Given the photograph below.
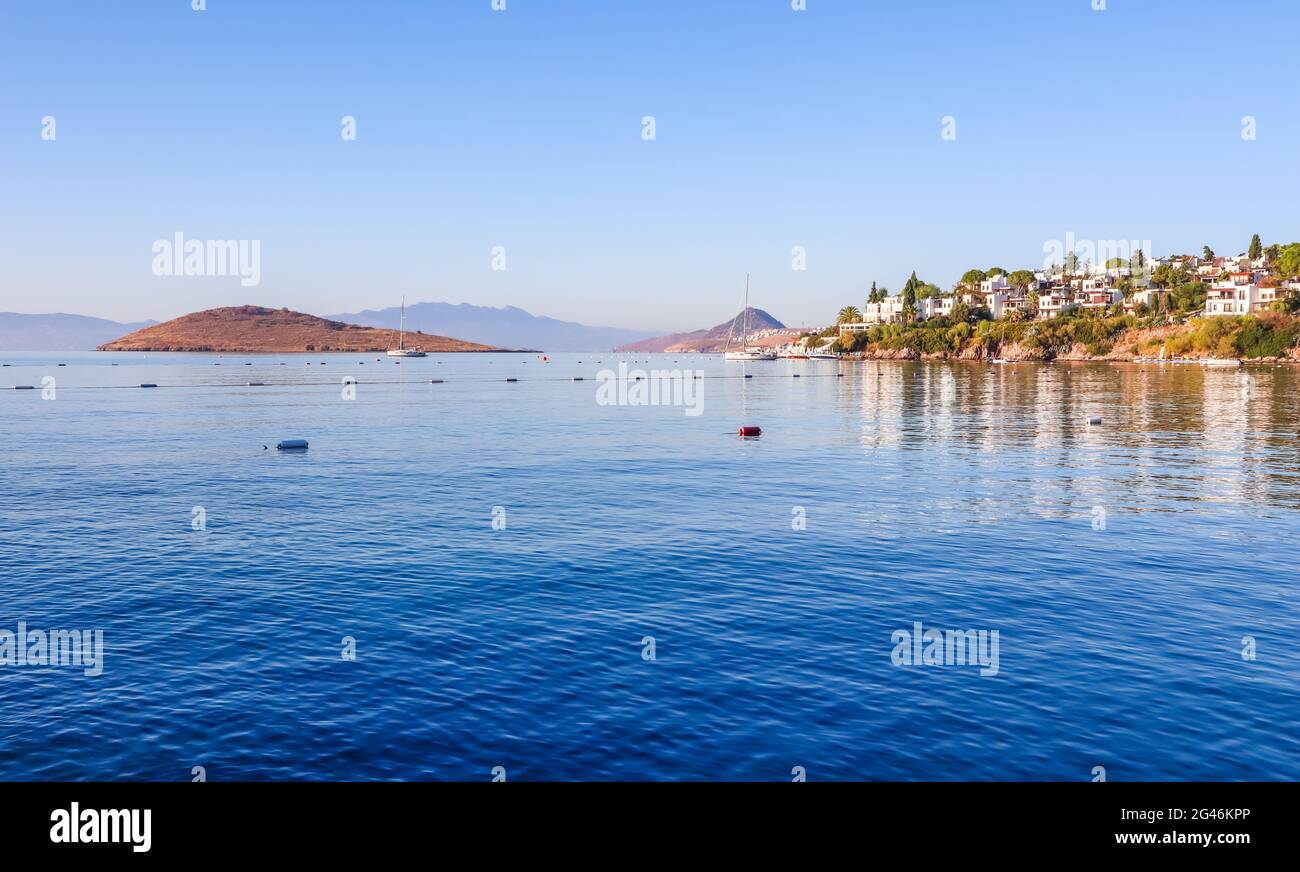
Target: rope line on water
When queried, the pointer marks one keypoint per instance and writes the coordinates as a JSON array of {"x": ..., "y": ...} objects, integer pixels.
[{"x": 357, "y": 382}]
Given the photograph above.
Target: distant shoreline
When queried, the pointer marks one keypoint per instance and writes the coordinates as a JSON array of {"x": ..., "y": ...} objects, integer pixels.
[{"x": 384, "y": 350}]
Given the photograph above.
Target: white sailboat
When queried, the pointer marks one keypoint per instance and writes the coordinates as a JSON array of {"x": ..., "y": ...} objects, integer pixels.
[
  {"x": 746, "y": 351},
  {"x": 401, "y": 350}
]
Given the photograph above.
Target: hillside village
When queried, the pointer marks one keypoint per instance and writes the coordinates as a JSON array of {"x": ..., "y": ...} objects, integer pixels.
[{"x": 1045, "y": 313}]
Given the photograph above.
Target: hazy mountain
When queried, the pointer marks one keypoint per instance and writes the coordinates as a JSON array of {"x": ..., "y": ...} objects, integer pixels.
[
  {"x": 711, "y": 339},
  {"x": 510, "y": 327},
  {"x": 59, "y": 332}
]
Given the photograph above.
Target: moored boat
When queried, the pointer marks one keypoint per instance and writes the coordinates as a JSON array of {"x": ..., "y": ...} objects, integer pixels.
[
  {"x": 401, "y": 350},
  {"x": 746, "y": 351}
]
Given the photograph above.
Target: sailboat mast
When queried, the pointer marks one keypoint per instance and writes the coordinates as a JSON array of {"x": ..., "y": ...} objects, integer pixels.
[
  {"x": 744, "y": 314},
  {"x": 401, "y": 332}
]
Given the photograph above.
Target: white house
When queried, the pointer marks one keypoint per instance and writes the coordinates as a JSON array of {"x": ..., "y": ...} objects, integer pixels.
[
  {"x": 994, "y": 283},
  {"x": 1229, "y": 298},
  {"x": 1054, "y": 303},
  {"x": 891, "y": 312},
  {"x": 1268, "y": 295},
  {"x": 1100, "y": 298},
  {"x": 1115, "y": 273},
  {"x": 1148, "y": 297},
  {"x": 885, "y": 312},
  {"x": 997, "y": 302}
]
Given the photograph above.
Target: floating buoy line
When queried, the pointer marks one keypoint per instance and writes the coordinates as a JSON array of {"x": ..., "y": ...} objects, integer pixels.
[{"x": 435, "y": 381}]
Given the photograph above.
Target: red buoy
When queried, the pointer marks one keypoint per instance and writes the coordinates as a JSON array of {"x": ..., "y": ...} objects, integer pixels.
[{"x": 751, "y": 431}]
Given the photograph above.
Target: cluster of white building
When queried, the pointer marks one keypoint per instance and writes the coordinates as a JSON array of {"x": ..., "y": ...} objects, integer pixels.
[{"x": 1237, "y": 285}]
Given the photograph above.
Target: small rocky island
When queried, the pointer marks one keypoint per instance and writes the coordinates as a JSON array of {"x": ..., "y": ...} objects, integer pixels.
[{"x": 255, "y": 329}]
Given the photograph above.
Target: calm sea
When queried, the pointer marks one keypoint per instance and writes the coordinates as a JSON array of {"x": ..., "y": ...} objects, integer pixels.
[{"x": 536, "y": 581}]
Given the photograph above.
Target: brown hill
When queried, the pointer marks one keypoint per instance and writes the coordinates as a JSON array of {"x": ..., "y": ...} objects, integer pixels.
[
  {"x": 714, "y": 338},
  {"x": 255, "y": 329}
]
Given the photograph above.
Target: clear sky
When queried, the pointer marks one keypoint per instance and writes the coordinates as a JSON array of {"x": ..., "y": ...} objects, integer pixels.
[{"x": 774, "y": 128}]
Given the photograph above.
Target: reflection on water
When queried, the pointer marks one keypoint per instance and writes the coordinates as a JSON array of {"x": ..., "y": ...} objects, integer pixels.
[{"x": 1169, "y": 434}]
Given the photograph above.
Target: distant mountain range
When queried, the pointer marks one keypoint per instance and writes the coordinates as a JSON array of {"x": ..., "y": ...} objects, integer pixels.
[
  {"x": 59, "y": 332},
  {"x": 257, "y": 329},
  {"x": 508, "y": 327},
  {"x": 714, "y": 339}
]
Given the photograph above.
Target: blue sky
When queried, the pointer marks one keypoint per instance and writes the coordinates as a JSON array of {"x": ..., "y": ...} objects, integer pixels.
[{"x": 774, "y": 128}]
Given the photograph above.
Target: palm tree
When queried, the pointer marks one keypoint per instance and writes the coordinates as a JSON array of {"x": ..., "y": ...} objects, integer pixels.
[{"x": 848, "y": 315}]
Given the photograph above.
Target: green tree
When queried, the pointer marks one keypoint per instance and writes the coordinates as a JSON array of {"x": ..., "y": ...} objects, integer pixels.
[
  {"x": 848, "y": 315},
  {"x": 1256, "y": 250},
  {"x": 1167, "y": 276},
  {"x": 1021, "y": 279},
  {"x": 909, "y": 296},
  {"x": 1186, "y": 296},
  {"x": 1287, "y": 264},
  {"x": 970, "y": 281},
  {"x": 1031, "y": 304},
  {"x": 1207, "y": 253}
]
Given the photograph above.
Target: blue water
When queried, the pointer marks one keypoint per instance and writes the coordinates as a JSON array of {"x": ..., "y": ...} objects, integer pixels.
[{"x": 961, "y": 496}]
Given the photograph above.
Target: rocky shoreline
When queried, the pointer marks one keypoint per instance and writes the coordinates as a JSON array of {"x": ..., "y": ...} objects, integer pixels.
[
  {"x": 1126, "y": 349},
  {"x": 1015, "y": 353}
]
